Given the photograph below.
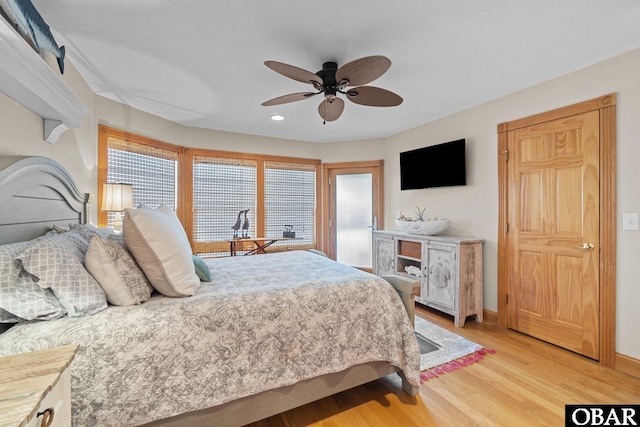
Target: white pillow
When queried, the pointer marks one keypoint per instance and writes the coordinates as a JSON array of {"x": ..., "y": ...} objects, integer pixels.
[
  {"x": 160, "y": 246},
  {"x": 117, "y": 272}
]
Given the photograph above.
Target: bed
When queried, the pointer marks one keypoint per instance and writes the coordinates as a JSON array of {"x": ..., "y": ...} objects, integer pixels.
[{"x": 269, "y": 333}]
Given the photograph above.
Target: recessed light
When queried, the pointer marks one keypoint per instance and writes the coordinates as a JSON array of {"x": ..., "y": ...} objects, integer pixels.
[{"x": 277, "y": 117}]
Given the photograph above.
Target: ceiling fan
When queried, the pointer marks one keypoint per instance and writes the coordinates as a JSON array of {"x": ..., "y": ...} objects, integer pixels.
[{"x": 332, "y": 80}]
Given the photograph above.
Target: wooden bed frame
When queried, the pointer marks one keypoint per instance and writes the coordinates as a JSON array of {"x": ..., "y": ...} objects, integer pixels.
[{"x": 37, "y": 192}]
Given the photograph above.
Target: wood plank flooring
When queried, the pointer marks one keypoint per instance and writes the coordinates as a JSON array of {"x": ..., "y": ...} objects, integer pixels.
[{"x": 526, "y": 383}]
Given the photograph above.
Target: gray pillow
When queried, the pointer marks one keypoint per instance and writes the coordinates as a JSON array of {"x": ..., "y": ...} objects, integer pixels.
[
  {"x": 20, "y": 296},
  {"x": 57, "y": 263}
]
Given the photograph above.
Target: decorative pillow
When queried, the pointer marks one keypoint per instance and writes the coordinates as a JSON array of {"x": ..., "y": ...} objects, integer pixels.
[
  {"x": 88, "y": 231},
  {"x": 117, "y": 272},
  {"x": 202, "y": 270},
  {"x": 20, "y": 296},
  {"x": 161, "y": 248},
  {"x": 57, "y": 263}
]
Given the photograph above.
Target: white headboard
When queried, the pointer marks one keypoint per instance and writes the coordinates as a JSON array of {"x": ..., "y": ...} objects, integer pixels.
[{"x": 36, "y": 193}]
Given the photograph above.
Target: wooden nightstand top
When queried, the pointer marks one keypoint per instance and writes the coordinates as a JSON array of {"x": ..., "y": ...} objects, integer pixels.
[{"x": 26, "y": 378}]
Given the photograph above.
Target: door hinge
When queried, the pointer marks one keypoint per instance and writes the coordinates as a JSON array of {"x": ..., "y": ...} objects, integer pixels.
[
  {"x": 329, "y": 180},
  {"x": 507, "y": 298},
  {"x": 506, "y": 227},
  {"x": 506, "y": 155},
  {"x": 329, "y": 223}
]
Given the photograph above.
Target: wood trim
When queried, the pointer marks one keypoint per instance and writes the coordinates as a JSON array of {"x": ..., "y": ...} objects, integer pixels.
[
  {"x": 260, "y": 198},
  {"x": 350, "y": 165},
  {"x": 490, "y": 317},
  {"x": 608, "y": 238},
  {"x": 249, "y": 156},
  {"x": 627, "y": 365},
  {"x": 503, "y": 246},
  {"x": 560, "y": 113},
  {"x": 186, "y": 179},
  {"x": 607, "y": 106},
  {"x": 139, "y": 139},
  {"x": 326, "y": 238},
  {"x": 103, "y": 137}
]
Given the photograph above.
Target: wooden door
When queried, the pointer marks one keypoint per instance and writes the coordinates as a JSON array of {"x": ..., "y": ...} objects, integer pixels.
[
  {"x": 354, "y": 204},
  {"x": 554, "y": 217}
]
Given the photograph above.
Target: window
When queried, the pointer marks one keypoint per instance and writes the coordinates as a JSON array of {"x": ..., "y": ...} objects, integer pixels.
[
  {"x": 222, "y": 188},
  {"x": 152, "y": 169},
  {"x": 290, "y": 200},
  {"x": 275, "y": 191},
  {"x": 210, "y": 188}
]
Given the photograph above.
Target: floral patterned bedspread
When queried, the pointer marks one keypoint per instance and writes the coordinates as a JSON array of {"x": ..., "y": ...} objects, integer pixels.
[{"x": 264, "y": 322}]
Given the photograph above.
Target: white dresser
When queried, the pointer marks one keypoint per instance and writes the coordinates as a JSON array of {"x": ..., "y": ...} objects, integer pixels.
[
  {"x": 35, "y": 388},
  {"x": 449, "y": 269}
]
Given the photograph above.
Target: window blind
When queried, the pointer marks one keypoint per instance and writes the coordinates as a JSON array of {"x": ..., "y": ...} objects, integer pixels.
[
  {"x": 152, "y": 171},
  {"x": 290, "y": 199},
  {"x": 222, "y": 187}
]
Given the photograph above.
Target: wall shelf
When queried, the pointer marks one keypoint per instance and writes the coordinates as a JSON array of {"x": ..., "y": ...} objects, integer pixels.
[{"x": 26, "y": 78}]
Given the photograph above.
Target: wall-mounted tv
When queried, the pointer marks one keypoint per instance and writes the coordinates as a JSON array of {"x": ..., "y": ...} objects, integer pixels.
[{"x": 439, "y": 165}]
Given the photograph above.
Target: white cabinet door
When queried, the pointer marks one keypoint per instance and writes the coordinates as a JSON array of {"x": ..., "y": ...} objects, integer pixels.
[
  {"x": 384, "y": 256},
  {"x": 440, "y": 275}
]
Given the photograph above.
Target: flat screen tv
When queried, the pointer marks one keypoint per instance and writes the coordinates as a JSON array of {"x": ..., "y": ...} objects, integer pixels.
[{"x": 441, "y": 165}]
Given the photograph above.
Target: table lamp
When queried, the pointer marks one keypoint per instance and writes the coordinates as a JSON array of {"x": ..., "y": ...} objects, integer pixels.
[{"x": 116, "y": 198}]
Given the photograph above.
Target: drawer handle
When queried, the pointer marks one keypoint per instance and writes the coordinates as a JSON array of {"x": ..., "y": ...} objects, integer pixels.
[{"x": 47, "y": 417}]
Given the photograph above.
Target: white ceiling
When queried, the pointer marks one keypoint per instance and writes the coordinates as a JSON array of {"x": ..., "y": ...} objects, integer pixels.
[{"x": 200, "y": 63}]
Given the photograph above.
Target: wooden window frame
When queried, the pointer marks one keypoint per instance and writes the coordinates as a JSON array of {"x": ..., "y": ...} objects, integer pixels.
[
  {"x": 185, "y": 180},
  {"x": 106, "y": 132},
  {"x": 260, "y": 160}
]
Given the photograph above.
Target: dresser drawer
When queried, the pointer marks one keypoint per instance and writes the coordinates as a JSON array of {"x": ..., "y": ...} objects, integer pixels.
[{"x": 58, "y": 399}]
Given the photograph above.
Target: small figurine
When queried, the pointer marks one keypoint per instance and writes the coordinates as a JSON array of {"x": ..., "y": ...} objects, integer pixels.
[
  {"x": 236, "y": 226},
  {"x": 245, "y": 226}
]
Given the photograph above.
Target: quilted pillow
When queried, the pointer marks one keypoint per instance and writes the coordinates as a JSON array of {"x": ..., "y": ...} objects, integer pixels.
[
  {"x": 20, "y": 296},
  {"x": 117, "y": 272},
  {"x": 161, "y": 248},
  {"x": 57, "y": 263}
]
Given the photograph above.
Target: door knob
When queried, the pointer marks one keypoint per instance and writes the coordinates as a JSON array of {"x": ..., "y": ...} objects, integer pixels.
[{"x": 587, "y": 246}]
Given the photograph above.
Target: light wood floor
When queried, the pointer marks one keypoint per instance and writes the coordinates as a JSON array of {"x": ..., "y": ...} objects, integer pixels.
[{"x": 526, "y": 383}]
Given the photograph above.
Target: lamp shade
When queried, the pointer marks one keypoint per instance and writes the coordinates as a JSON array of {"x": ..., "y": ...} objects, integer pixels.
[{"x": 116, "y": 197}]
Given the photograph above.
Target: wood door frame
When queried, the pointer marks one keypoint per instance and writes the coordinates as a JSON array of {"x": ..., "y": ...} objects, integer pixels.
[
  {"x": 378, "y": 197},
  {"x": 606, "y": 105}
]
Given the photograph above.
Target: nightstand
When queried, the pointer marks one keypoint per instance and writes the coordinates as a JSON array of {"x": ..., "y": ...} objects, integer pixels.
[{"x": 35, "y": 388}]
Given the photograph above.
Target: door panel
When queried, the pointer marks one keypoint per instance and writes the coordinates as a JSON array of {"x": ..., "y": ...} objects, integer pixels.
[
  {"x": 553, "y": 209},
  {"x": 353, "y": 219},
  {"x": 440, "y": 275}
]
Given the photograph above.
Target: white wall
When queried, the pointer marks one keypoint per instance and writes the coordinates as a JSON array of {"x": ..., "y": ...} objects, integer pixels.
[{"x": 473, "y": 209}]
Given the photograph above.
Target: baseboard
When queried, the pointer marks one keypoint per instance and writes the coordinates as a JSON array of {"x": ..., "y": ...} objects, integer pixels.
[
  {"x": 490, "y": 317},
  {"x": 625, "y": 364},
  {"x": 628, "y": 365}
]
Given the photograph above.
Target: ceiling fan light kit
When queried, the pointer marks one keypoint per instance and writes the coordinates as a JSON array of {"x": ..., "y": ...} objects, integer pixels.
[{"x": 332, "y": 80}]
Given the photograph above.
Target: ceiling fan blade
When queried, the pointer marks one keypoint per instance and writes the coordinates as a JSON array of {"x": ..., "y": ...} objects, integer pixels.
[
  {"x": 364, "y": 70},
  {"x": 331, "y": 108},
  {"x": 292, "y": 97},
  {"x": 373, "y": 96},
  {"x": 292, "y": 72}
]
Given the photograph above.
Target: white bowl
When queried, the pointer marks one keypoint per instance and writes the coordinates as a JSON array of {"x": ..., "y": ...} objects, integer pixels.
[{"x": 425, "y": 228}]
